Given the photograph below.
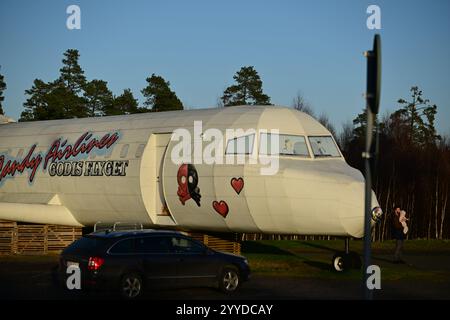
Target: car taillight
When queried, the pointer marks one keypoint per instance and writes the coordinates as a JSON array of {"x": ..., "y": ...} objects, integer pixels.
[{"x": 95, "y": 263}]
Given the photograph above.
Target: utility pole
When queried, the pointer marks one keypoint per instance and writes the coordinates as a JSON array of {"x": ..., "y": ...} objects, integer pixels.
[{"x": 372, "y": 107}]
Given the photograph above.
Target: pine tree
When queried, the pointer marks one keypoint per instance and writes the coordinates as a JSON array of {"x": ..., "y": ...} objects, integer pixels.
[
  {"x": 123, "y": 104},
  {"x": 418, "y": 116},
  {"x": 98, "y": 97},
  {"x": 36, "y": 105},
  {"x": 71, "y": 73},
  {"x": 63, "y": 103},
  {"x": 247, "y": 90},
  {"x": 60, "y": 99},
  {"x": 53, "y": 100},
  {"x": 158, "y": 95}
]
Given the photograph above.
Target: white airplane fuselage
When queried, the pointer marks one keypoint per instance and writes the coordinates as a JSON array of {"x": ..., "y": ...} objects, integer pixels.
[{"x": 81, "y": 171}]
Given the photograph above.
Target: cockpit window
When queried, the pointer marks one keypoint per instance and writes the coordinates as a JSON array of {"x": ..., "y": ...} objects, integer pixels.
[
  {"x": 324, "y": 146},
  {"x": 240, "y": 145},
  {"x": 283, "y": 144}
]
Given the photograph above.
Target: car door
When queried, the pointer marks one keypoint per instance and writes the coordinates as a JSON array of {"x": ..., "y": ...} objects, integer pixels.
[
  {"x": 159, "y": 262},
  {"x": 196, "y": 265}
]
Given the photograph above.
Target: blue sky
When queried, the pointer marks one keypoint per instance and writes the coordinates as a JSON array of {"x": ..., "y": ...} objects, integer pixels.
[{"x": 310, "y": 46}]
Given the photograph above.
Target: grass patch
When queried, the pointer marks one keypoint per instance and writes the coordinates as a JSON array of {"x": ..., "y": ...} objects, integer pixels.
[
  {"x": 412, "y": 246},
  {"x": 312, "y": 259}
]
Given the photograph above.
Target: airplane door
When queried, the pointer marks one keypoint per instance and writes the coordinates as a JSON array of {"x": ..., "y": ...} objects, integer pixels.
[
  {"x": 152, "y": 181},
  {"x": 162, "y": 140},
  {"x": 189, "y": 191}
]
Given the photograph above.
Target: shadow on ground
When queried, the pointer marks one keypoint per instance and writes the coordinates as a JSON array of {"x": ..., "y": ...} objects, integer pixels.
[
  {"x": 319, "y": 265},
  {"x": 318, "y": 246},
  {"x": 253, "y": 247},
  {"x": 257, "y": 247}
]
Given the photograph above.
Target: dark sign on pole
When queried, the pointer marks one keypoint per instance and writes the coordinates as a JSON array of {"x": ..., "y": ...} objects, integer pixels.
[{"x": 374, "y": 75}]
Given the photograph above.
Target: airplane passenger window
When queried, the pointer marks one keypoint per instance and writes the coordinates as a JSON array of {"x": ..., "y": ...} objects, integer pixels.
[
  {"x": 124, "y": 151},
  {"x": 324, "y": 147},
  {"x": 290, "y": 145},
  {"x": 140, "y": 150},
  {"x": 240, "y": 145}
]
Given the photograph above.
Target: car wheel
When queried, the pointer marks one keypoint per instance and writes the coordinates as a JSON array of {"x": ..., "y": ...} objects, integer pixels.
[
  {"x": 131, "y": 286},
  {"x": 339, "y": 262},
  {"x": 229, "y": 280}
]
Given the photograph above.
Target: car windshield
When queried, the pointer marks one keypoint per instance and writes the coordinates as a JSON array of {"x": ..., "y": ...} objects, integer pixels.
[
  {"x": 283, "y": 144},
  {"x": 324, "y": 146}
]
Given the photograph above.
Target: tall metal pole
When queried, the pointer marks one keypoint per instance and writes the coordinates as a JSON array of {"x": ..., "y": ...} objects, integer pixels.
[
  {"x": 368, "y": 294},
  {"x": 372, "y": 106}
]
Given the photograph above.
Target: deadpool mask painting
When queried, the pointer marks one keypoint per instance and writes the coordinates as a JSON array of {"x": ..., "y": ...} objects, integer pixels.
[{"x": 187, "y": 178}]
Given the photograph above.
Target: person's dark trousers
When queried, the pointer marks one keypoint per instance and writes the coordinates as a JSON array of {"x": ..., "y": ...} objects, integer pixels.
[{"x": 398, "y": 250}]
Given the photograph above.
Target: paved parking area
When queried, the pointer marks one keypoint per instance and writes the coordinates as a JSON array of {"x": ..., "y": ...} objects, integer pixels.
[{"x": 31, "y": 277}]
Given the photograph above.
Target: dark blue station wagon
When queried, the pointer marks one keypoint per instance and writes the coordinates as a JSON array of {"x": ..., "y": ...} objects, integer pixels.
[{"x": 134, "y": 261}]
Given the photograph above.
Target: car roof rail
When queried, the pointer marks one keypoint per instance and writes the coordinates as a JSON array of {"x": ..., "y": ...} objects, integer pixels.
[
  {"x": 116, "y": 226},
  {"x": 128, "y": 226}
]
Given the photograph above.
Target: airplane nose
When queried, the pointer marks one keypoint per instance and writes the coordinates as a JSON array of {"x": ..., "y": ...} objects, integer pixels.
[
  {"x": 327, "y": 196},
  {"x": 351, "y": 211}
]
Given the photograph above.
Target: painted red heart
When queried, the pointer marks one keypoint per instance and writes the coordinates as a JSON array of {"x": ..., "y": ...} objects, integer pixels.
[
  {"x": 237, "y": 184},
  {"x": 221, "y": 207}
]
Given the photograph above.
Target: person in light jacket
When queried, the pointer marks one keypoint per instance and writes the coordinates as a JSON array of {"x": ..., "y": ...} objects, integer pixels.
[{"x": 398, "y": 233}]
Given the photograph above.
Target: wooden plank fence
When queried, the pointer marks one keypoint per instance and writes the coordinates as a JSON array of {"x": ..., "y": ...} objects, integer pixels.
[
  {"x": 8, "y": 237},
  {"x": 35, "y": 239},
  {"x": 227, "y": 242},
  {"x": 28, "y": 239}
]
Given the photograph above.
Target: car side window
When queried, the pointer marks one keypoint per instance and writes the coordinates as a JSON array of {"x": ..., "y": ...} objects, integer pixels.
[
  {"x": 183, "y": 245},
  {"x": 123, "y": 247},
  {"x": 153, "y": 245}
]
